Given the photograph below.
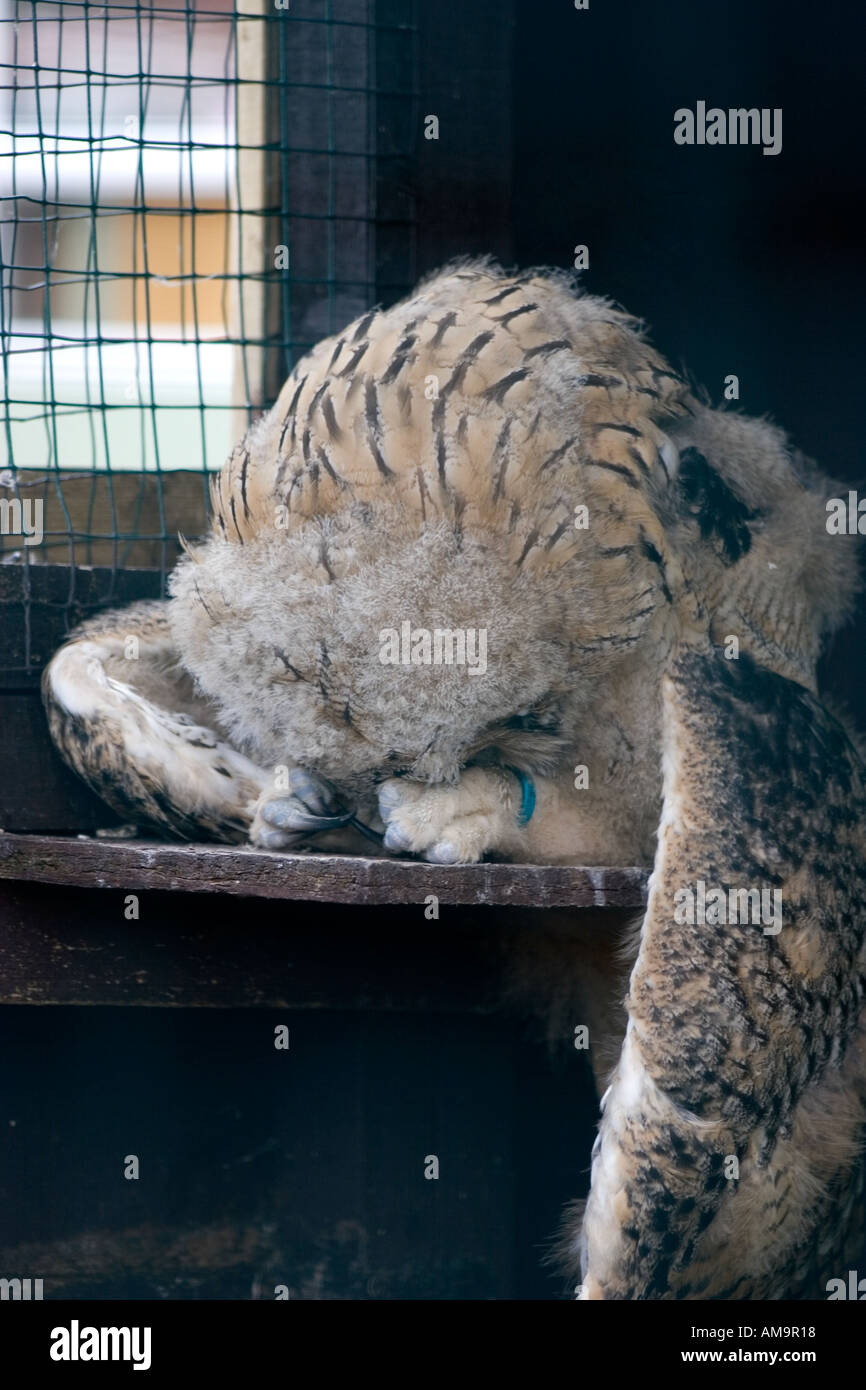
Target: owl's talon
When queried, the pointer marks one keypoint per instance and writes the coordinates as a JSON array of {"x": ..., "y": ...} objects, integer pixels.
[
  {"x": 396, "y": 840},
  {"x": 288, "y": 813},
  {"x": 314, "y": 792},
  {"x": 284, "y": 818},
  {"x": 274, "y": 839},
  {"x": 447, "y": 824},
  {"x": 390, "y": 796},
  {"x": 444, "y": 852}
]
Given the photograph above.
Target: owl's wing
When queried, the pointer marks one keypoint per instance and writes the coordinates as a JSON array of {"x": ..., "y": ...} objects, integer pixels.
[
  {"x": 726, "y": 1163},
  {"x": 124, "y": 716}
]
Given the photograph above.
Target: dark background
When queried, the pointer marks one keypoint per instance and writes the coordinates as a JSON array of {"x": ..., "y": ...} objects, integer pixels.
[{"x": 738, "y": 261}]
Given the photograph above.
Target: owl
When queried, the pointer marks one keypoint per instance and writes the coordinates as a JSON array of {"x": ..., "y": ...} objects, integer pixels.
[{"x": 491, "y": 579}]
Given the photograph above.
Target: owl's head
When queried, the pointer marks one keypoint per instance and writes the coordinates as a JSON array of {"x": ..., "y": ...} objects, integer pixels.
[{"x": 360, "y": 648}]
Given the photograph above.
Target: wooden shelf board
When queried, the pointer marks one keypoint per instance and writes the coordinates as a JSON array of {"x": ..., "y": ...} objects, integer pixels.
[{"x": 138, "y": 865}]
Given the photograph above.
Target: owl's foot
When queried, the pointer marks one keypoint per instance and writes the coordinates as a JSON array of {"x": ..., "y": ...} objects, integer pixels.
[
  {"x": 283, "y": 819},
  {"x": 450, "y": 824}
]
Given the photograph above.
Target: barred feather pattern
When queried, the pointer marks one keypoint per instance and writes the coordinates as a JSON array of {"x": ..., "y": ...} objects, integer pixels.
[{"x": 478, "y": 401}]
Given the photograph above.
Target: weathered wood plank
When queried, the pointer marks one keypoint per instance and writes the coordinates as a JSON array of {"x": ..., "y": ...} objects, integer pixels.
[
  {"x": 38, "y": 792},
  {"x": 39, "y": 604},
  {"x": 255, "y": 299},
  {"x": 121, "y": 519},
  {"x": 241, "y": 872},
  {"x": 76, "y": 946}
]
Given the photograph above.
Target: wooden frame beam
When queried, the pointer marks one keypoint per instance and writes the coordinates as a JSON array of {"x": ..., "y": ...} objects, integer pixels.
[{"x": 132, "y": 866}]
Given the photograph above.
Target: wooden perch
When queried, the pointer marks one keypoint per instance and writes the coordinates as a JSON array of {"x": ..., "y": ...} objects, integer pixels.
[{"x": 140, "y": 865}]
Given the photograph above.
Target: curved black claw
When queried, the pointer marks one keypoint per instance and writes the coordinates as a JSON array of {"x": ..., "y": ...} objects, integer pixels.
[
  {"x": 310, "y": 805},
  {"x": 288, "y": 813}
]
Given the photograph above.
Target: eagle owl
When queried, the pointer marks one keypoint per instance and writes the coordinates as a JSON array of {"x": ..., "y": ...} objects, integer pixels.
[{"x": 501, "y": 465}]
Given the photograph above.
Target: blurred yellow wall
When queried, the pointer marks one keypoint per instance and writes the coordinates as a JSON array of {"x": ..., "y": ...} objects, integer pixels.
[{"x": 160, "y": 243}]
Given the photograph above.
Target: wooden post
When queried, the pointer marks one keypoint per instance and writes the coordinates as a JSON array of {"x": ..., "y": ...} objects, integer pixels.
[{"x": 255, "y": 306}]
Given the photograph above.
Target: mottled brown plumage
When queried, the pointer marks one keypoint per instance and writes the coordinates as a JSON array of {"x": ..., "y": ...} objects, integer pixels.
[
  {"x": 741, "y": 1044},
  {"x": 654, "y": 580}
]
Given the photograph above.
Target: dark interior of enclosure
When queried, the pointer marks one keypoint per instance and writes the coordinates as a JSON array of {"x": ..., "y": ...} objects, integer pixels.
[
  {"x": 301, "y": 1167},
  {"x": 555, "y": 129},
  {"x": 305, "y": 1170}
]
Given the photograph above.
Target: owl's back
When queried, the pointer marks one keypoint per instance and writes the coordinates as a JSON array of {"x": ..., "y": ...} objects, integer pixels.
[{"x": 476, "y": 400}]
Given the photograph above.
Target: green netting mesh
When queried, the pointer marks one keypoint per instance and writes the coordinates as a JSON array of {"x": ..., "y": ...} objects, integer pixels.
[{"x": 190, "y": 198}]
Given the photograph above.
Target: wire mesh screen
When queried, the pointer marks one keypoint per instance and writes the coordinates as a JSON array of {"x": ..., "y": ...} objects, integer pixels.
[{"x": 191, "y": 196}]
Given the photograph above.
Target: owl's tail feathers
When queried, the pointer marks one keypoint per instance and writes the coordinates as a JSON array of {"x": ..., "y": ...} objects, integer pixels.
[{"x": 124, "y": 715}]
